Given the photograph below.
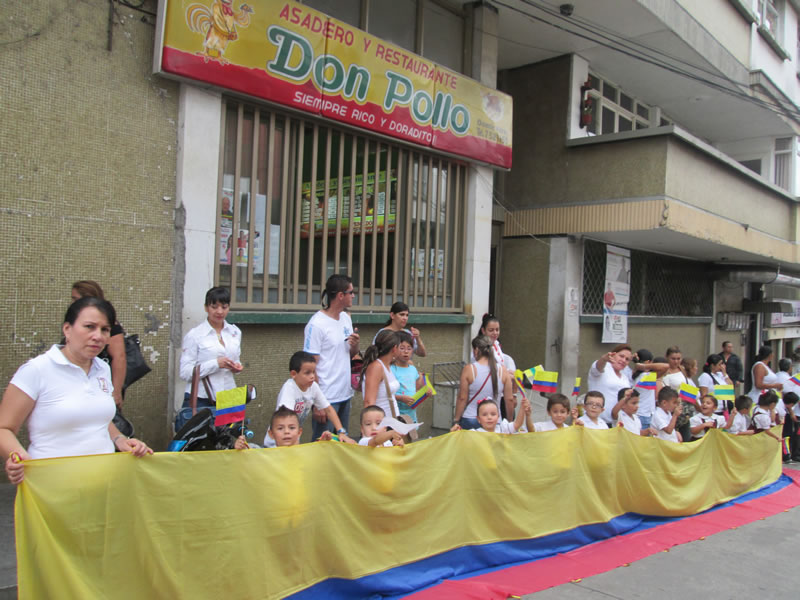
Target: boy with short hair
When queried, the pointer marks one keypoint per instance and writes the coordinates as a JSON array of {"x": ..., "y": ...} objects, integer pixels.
[
  {"x": 301, "y": 391},
  {"x": 628, "y": 416},
  {"x": 668, "y": 409},
  {"x": 740, "y": 424},
  {"x": 371, "y": 431},
  {"x": 284, "y": 430}
]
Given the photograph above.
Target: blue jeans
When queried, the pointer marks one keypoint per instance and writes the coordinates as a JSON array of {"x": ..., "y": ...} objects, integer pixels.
[
  {"x": 185, "y": 413},
  {"x": 342, "y": 411},
  {"x": 646, "y": 421},
  {"x": 467, "y": 423}
]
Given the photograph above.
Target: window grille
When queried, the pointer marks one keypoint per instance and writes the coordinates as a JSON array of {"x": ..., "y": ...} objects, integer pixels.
[
  {"x": 613, "y": 110},
  {"x": 661, "y": 286},
  {"x": 398, "y": 230}
]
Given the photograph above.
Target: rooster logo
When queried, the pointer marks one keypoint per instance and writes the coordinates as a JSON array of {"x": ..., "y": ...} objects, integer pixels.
[{"x": 218, "y": 23}]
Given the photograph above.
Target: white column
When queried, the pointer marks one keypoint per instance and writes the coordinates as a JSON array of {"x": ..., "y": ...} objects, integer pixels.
[
  {"x": 199, "y": 116},
  {"x": 563, "y": 310},
  {"x": 482, "y": 64}
]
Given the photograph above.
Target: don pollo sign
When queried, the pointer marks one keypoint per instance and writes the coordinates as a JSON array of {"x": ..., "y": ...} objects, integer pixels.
[{"x": 288, "y": 53}]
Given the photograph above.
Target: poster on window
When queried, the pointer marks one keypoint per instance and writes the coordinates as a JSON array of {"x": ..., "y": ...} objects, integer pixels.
[
  {"x": 616, "y": 295},
  {"x": 418, "y": 259},
  {"x": 226, "y": 227},
  {"x": 369, "y": 205}
]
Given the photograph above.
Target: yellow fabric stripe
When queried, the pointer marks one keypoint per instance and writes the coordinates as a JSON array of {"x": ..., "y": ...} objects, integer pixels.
[{"x": 268, "y": 523}]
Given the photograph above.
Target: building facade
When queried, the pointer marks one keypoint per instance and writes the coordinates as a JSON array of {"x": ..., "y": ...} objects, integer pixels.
[
  {"x": 668, "y": 129},
  {"x": 160, "y": 186}
]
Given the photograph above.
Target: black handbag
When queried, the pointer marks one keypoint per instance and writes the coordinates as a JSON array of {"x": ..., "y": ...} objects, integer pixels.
[{"x": 137, "y": 367}]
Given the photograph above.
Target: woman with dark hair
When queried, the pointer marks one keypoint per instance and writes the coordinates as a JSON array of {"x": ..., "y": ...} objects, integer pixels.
[
  {"x": 114, "y": 353},
  {"x": 490, "y": 327},
  {"x": 482, "y": 379},
  {"x": 65, "y": 395},
  {"x": 713, "y": 375},
  {"x": 378, "y": 383},
  {"x": 215, "y": 345},
  {"x": 608, "y": 375},
  {"x": 398, "y": 321},
  {"x": 761, "y": 375}
]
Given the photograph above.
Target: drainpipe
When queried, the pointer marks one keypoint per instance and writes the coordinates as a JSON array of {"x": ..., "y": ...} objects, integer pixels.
[{"x": 758, "y": 276}]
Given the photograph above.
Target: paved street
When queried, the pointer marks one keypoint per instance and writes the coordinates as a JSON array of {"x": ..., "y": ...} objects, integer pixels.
[{"x": 758, "y": 560}]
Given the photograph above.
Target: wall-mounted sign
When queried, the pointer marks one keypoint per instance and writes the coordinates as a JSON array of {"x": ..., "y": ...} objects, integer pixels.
[{"x": 288, "y": 53}]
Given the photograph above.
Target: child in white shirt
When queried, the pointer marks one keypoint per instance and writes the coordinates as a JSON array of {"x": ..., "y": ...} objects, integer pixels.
[
  {"x": 700, "y": 422},
  {"x": 740, "y": 424},
  {"x": 301, "y": 391},
  {"x": 628, "y": 417},
  {"x": 593, "y": 404},
  {"x": 371, "y": 431},
  {"x": 764, "y": 414},
  {"x": 558, "y": 408},
  {"x": 668, "y": 409},
  {"x": 490, "y": 421}
]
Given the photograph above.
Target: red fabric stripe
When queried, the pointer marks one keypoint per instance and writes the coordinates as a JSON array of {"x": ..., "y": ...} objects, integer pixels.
[{"x": 612, "y": 553}]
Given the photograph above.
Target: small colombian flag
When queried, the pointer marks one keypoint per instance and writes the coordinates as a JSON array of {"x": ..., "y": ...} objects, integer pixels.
[
  {"x": 576, "y": 389},
  {"x": 689, "y": 393},
  {"x": 786, "y": 447},
  {"x": 795, "y": 379},
  {"x": 519, "y": 378},
  {"x": 531, "y": 373},
  {"x": 724, "y": 392},
  {"x": 423, "y": 393},
  {"x": 230, "y": 406},
  {"x": 545, "y": 381},
  {"x": 647, "y": 381}
]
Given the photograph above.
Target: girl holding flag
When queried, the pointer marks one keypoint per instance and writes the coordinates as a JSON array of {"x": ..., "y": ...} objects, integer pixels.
[
  {"x": 482, "y": 379},
  {"x": 646, "y": 374},
  {"x": 713, "y": 375}
]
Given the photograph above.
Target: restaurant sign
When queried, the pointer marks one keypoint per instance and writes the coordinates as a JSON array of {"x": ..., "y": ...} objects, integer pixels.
[{"x": 288, "y": 53}]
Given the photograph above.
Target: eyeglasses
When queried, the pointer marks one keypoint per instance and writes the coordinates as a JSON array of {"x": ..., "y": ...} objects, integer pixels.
[
  {"x": 593, "y": 405},
  {"x": 351, "y": 292}
]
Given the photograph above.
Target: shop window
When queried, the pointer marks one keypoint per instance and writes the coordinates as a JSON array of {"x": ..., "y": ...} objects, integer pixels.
[{"x": 300, "y": 200}]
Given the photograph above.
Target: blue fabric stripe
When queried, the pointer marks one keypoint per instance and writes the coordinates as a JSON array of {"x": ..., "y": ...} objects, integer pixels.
[
  {"x": 230, "y": 409},
  {"x": 470, "y": 561}
]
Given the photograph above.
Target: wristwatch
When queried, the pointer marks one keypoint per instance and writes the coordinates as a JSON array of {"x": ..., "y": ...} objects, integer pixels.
[{"x": 342, "y": 431}]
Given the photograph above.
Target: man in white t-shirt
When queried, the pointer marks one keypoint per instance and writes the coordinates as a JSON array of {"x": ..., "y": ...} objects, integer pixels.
[{"x": 330, "y": 336}]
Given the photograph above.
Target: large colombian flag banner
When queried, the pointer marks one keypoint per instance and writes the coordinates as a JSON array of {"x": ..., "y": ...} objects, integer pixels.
[
  {"x": 286, "y": 52},
  {"x": 332, "y": 520}
]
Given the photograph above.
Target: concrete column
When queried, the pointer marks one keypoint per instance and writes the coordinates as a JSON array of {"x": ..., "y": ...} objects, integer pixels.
[
  {"x": 199, "y": 117},
  {"x": 481, "y": 62},
  {"x": 563, "y": 310}
]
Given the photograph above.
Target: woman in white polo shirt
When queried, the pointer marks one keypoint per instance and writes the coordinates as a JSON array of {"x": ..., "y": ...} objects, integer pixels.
[{"x": 65, "y": 395}]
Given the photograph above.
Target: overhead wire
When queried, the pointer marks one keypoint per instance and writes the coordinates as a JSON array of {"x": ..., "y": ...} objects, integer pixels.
[{"x": 772, "y": 106}]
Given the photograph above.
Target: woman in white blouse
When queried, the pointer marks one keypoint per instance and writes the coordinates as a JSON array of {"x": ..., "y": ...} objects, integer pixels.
[{"x": 214, "y": 345}]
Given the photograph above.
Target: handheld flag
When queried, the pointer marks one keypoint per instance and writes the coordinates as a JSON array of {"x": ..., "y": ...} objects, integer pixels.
[
  {"x": 795, "y": 379},
  {"x": 786, "y": 447},
  {"x": 647, "y": 381},
  {"x": 519, "y": 378},
  {"x": 689, "y": 393},
  {"x": 576, "y": 389},
  {"x": 545, "y": 381},
  {"x": 531, "y": 373},
  {"x": 423, "y": 393},
  {"x": 230, "y": 406},
  {"x": 724, "y": 392}
]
